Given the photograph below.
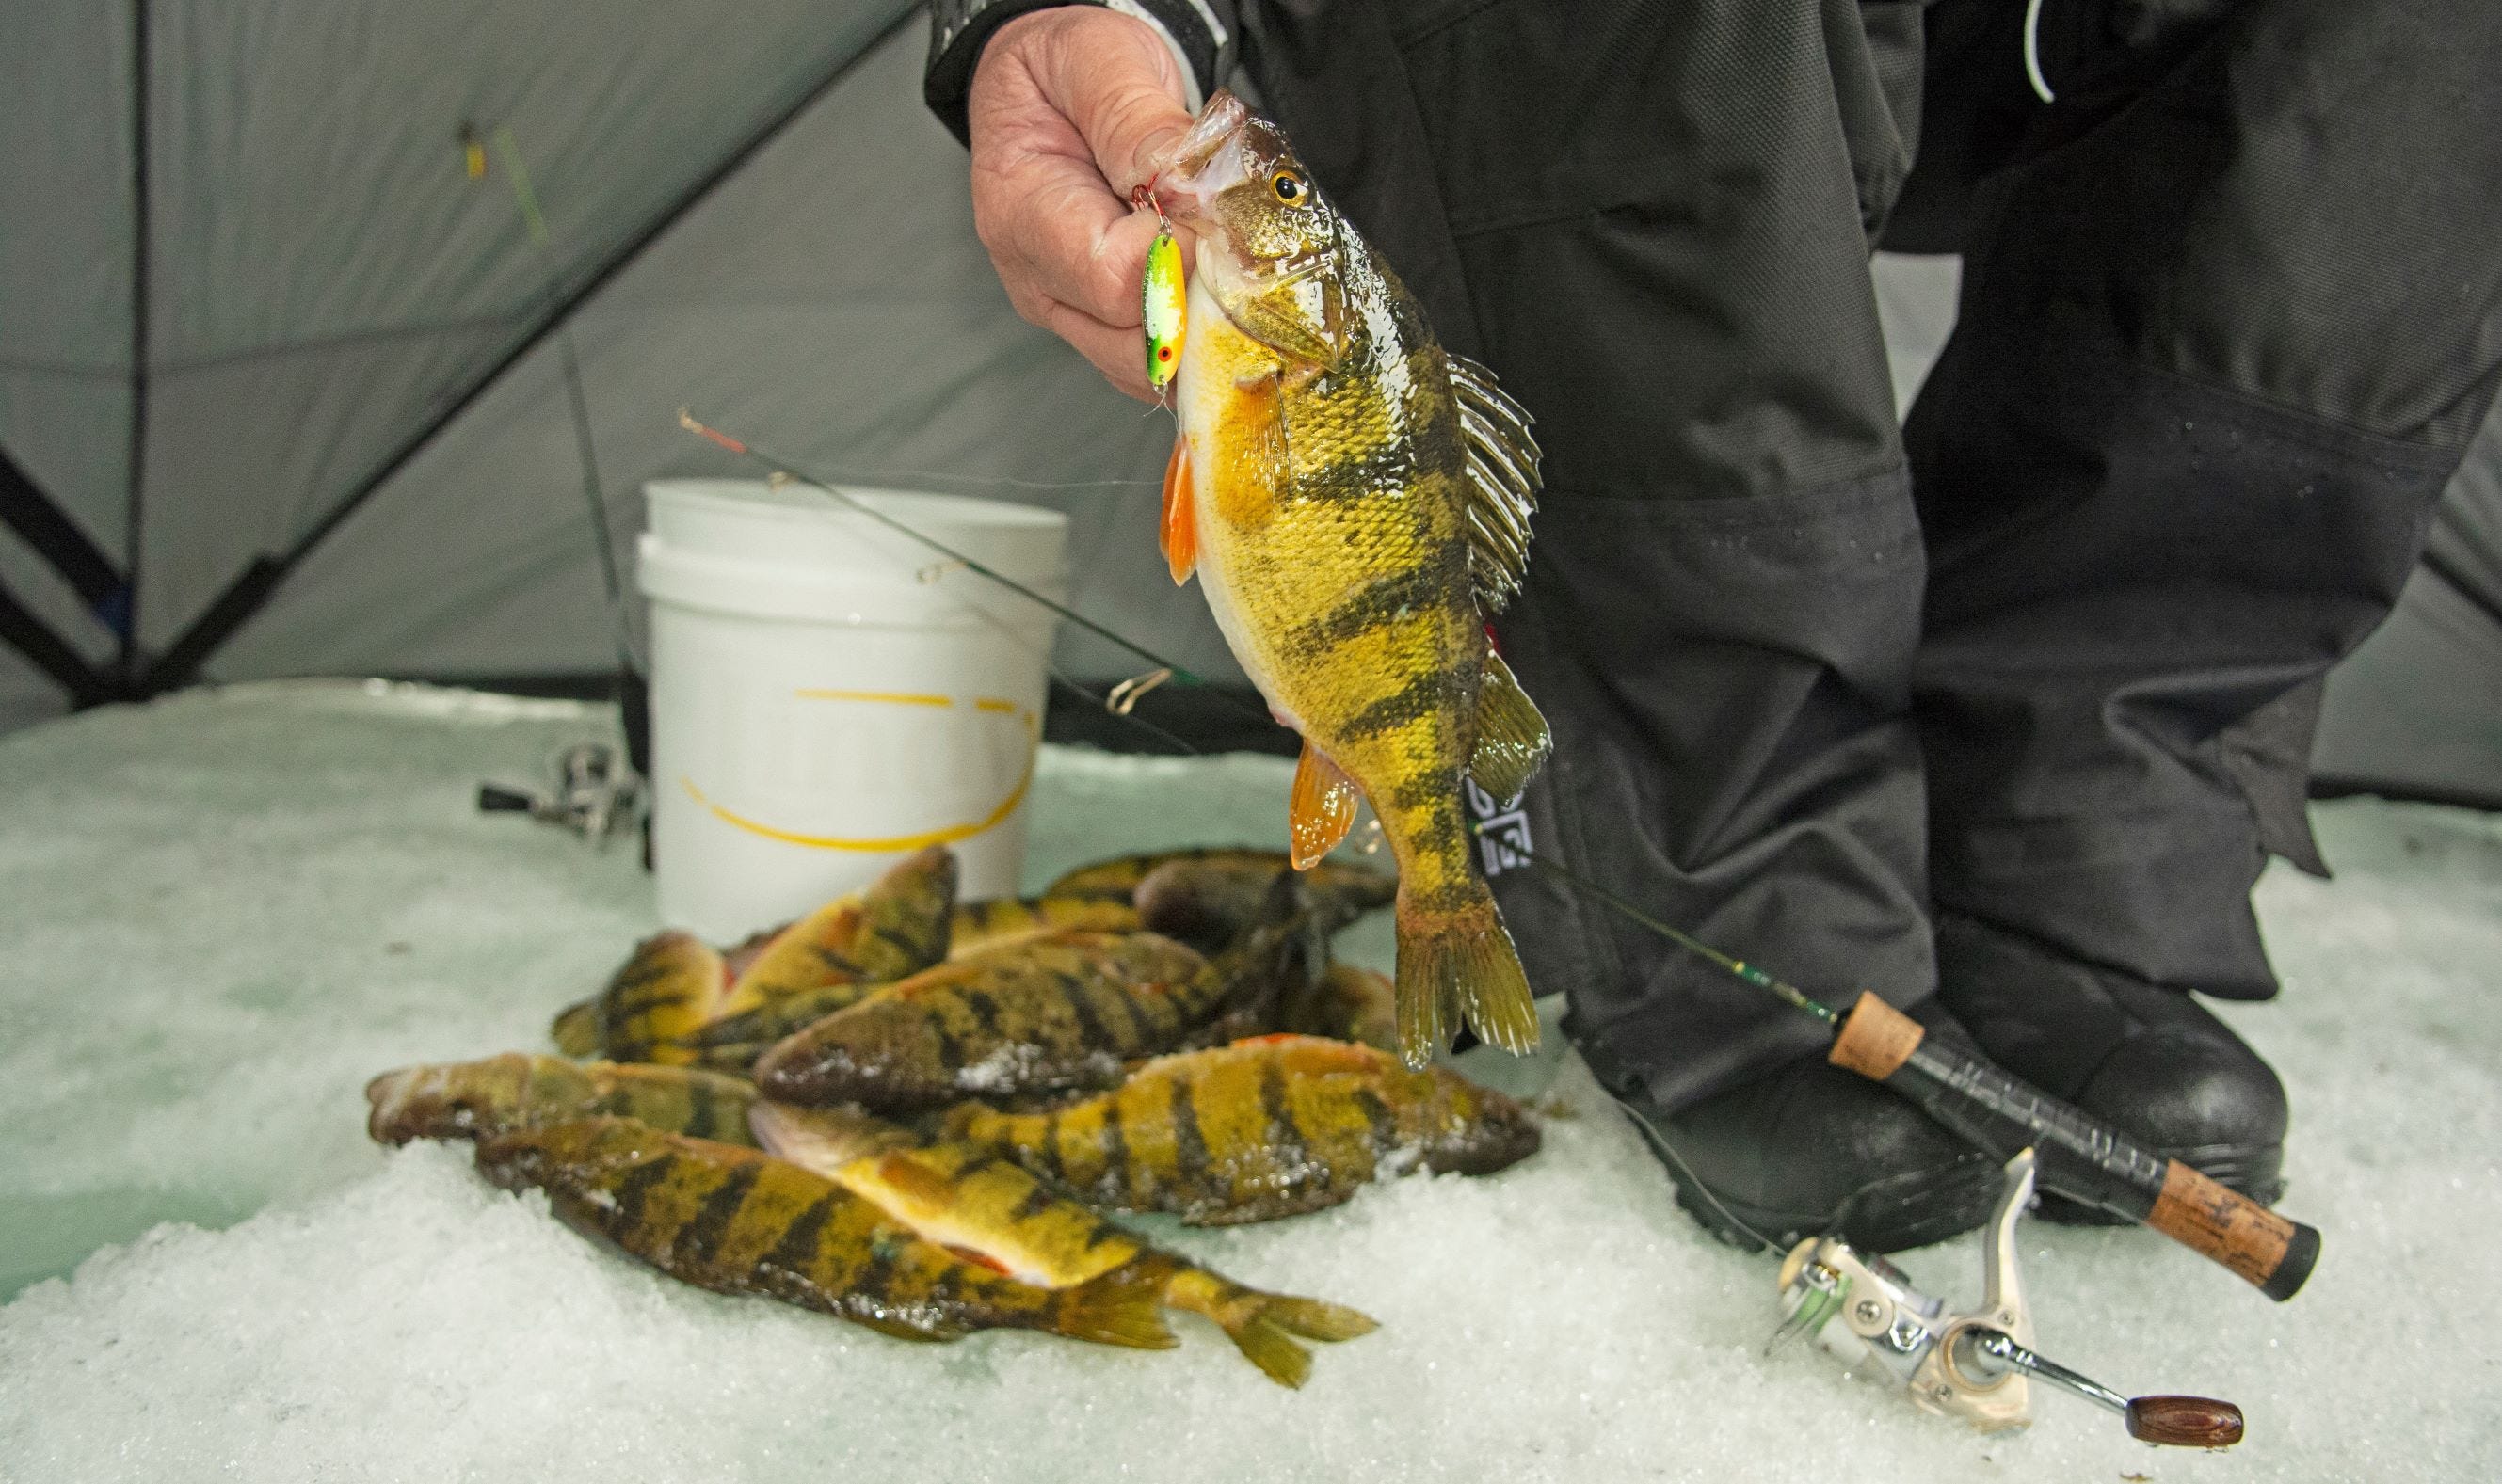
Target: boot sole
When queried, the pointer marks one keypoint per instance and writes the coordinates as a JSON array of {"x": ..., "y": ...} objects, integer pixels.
[{"x": 1891, "y": 1215}]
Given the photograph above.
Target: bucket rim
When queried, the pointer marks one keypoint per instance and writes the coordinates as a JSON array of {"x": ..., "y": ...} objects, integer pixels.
[{"x": 799, "y": 503}]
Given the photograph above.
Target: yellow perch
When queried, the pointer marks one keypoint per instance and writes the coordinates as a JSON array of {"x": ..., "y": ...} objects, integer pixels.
[
  {"x": 679, "y": 1002},
  {"x": 1043, "y": 1014},
  {"x": 1271, "y": 1127},
  {"x": 1356, "y": 502},
  {"x": 478, "y": 1099},
  {"x": 737, "y": 1220},
  {"x": 969, "y": 1200}
]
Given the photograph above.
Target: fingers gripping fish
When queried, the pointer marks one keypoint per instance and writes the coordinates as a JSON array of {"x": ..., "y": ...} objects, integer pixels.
[{"x": 1354, "y": 501}]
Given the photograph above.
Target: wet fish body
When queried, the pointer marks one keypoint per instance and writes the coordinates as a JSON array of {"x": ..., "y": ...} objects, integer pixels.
[
  {"x": 970, "y": 1199},
  {"x": 737, "y": 1220},
  {"x": 1262, "y": 1128},
  {"x": 677, "y": 1002},
  {"x": 1355, "y": 502},
  {"x": 981, "y": 925},
  {"x": 1346, "y": 1003},
  {"x": 515, "y": 1091},
  {"x": 1047, "y": 1013},
  {"x": 1211, "y": 901}
]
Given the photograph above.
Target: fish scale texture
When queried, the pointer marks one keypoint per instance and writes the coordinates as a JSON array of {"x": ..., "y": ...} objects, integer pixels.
[{"x": 199, "y": 901}]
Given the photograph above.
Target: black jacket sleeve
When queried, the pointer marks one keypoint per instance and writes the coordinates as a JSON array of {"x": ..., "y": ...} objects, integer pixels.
[{"x": 958, "y": 30}]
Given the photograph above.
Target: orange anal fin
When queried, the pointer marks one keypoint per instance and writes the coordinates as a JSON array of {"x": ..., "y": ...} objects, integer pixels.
[
  {"x": 1181, "y": 532},
  {"x": 1322, "y": 809}
]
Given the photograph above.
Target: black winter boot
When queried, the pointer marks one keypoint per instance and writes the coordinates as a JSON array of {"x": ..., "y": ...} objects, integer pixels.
[
  {"x": 2149, "y": 1060},
  {"x": 1810, "y": 1147}
]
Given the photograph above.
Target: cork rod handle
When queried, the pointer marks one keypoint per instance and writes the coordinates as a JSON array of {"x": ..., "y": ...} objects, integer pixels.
[{"x": 2082, "y": 1157}]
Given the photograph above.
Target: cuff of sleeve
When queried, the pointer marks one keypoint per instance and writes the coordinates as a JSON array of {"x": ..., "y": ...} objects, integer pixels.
[{"x": 959, "y": 32}]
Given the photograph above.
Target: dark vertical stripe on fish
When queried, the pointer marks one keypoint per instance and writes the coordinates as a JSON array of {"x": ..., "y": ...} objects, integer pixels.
[
  {"x": 703, "y": 1108},
  {"x": 1287, "y": 1148},
  {"x": 1382, "y": 602},
  {"x": 636, "y": 1187},
  {"x": 1190, "y": 1142},
  {"x": 701, "y": 1237},
  {"x": 1090, "y": 1024},
  {"x": 1153, "y": 1003},
  {"x": 798, "y": 1241},
  {"x": 1116, "y": 1148},
  {"x": 1376, "y": 1113},
  {"x": 951, "y": 1051},
  {"x": 1038, "y": 1198},
  {"x": 871, "y": 1282},
  {"x": 1410, "y": 701},
  {"x": 1051, "y": 1147},
  {"x": 836, "y": 962}
]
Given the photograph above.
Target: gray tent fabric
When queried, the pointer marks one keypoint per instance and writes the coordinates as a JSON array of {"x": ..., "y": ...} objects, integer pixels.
[
  {"x": 830, "y": 302},
  {"x": 323, "y": 282}
]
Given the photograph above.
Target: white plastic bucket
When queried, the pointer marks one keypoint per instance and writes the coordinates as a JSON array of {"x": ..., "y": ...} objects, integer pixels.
[{"x": 829, "y": 695}]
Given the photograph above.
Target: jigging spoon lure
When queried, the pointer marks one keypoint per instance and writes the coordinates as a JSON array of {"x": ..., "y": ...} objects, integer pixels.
[{"x": 1163, "y": 310}]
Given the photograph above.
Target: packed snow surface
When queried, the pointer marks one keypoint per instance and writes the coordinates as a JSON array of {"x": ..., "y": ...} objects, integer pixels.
[{"x": 225, "y": 911}]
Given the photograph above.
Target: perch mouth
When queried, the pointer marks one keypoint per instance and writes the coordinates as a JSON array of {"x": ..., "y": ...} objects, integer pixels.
[{"x": 1195, "y": 170}]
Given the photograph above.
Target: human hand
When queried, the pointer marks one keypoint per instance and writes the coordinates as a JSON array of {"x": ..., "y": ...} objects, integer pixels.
[{"x": 1069, "y": 110}]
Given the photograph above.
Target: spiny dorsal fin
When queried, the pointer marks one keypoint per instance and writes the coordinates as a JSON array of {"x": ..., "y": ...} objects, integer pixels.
[
  {"x": 1502, "y": 483},
  {"x": 1513, "y": 739}
]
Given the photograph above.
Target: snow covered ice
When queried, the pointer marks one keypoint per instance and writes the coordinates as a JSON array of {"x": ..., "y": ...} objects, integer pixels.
[{"x": 225, "y": 911}]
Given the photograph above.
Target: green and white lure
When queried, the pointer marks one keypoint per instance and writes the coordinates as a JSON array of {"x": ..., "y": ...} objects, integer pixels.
[{"x": 1164, "y": 316}]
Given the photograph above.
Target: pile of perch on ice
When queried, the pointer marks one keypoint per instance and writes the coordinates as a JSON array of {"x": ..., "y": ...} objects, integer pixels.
[{"x": 908, "y": 1113}]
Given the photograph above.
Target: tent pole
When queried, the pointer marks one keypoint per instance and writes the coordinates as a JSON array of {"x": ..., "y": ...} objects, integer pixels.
[
  {"x": 140, "y": 81},
  {"x": 179, "y": 662}
]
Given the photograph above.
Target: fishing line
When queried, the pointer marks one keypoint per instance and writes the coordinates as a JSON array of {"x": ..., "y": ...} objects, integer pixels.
[
  {"x": 1693, "y": 1182},
  {"x": 525, "y": 196},
  {"x": 796, "y": 474},
  {"x": 1788, "y": 994}
]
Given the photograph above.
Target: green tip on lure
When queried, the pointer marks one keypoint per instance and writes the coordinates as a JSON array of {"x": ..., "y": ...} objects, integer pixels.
[{"x": 1163, "y": 310}]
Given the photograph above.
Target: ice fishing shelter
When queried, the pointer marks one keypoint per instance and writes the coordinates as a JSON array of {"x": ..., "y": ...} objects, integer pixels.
[
  {"x": 291, "y": 383},
  {"x": 284, "y": 372}
]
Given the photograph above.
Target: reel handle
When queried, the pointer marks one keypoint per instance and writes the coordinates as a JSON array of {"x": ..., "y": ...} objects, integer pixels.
[
  {"x": 2184, "y": 1422},
  {"x": 2082, "y": 1157}
]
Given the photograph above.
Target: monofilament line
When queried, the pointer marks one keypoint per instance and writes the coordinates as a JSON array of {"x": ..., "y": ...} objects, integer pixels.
[
  {"x": 1788, "y": 994},
  {"x": 1181, "y": 674}
]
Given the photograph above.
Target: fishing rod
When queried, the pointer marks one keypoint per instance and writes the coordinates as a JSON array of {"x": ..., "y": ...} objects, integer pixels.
[{"x": 2084, "y": 1158}]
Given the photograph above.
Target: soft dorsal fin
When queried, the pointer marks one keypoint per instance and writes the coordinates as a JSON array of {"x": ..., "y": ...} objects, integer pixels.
[{"x": 1502, "y": 483}]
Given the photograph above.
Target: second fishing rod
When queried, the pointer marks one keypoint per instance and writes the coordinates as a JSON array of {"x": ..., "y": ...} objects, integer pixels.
[{"x": 2082, "y": 1157}]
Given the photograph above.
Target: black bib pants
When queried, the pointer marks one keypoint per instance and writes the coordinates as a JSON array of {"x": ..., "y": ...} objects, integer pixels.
[{"x": 2046, "y": 653}]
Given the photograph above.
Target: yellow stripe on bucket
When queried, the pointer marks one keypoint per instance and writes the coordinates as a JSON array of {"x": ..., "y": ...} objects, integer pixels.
[
  {"x": 947, "y": 836},
  {"x": 888, "y": 697}
]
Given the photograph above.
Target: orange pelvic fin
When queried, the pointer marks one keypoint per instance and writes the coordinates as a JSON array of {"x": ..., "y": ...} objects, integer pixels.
[
  {"x": 1180, "y": 533},
  {"x": 1322, "y": 809}
]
